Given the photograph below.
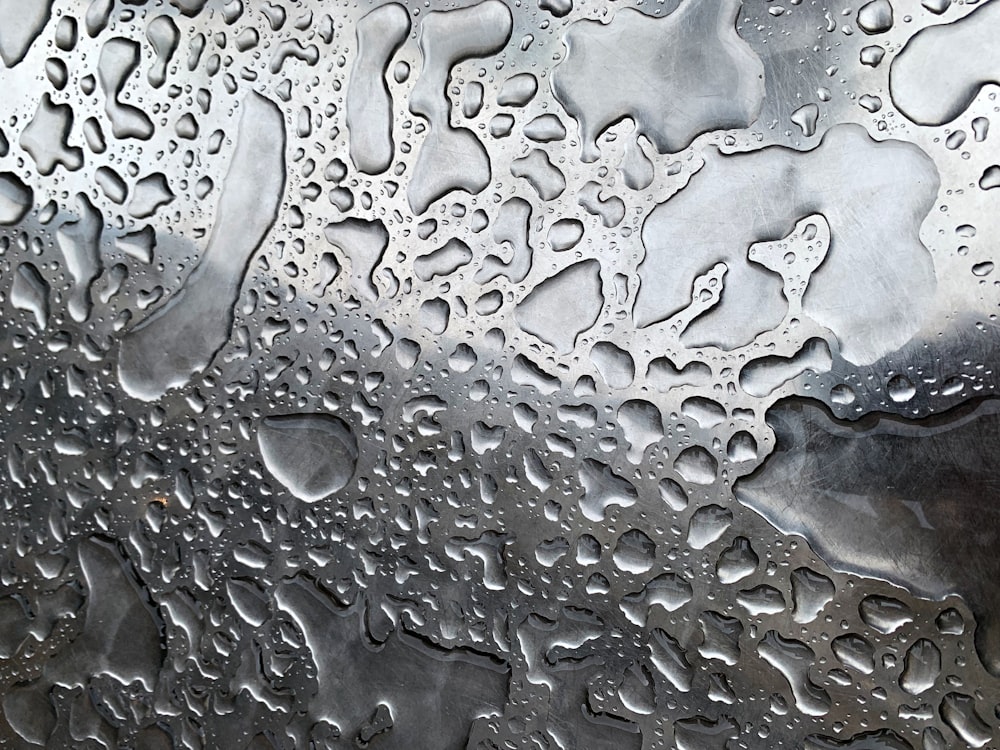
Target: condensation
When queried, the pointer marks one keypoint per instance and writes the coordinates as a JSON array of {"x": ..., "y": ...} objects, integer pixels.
[{"x": 549, "y": 374}]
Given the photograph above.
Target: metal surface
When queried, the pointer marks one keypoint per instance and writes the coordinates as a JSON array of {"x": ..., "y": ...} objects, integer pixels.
[{"x": 484, "y": 375}]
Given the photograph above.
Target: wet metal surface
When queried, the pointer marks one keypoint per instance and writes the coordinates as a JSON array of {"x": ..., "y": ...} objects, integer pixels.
[{"x": 550, "y": 374}]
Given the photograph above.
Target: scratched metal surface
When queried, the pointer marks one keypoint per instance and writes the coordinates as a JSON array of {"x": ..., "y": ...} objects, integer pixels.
[{"x": 543, "y": 374}]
